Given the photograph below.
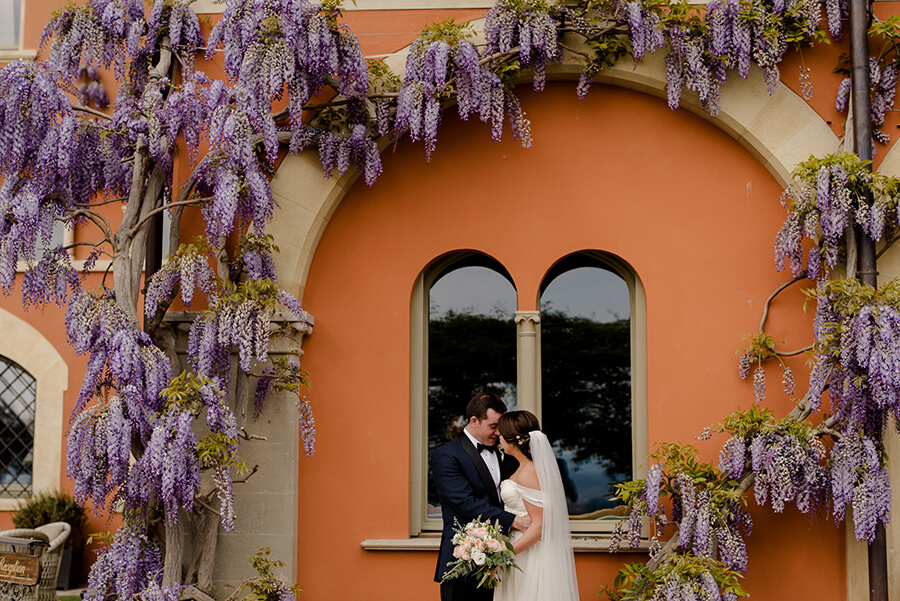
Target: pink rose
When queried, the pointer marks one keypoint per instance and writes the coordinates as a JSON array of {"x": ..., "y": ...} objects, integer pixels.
[
  {"x": 469, "y": 543},
  {"x": 465, "y": 555},
  {"x": 480, "y": 532},
  {"x": 457, "y": 552},
  {"x": 479, "y": 544},
  {"x": 493, "y": 544}
]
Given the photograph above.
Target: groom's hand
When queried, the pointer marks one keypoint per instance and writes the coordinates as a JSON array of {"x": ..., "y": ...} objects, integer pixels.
[{"x": 522, "y": 522}]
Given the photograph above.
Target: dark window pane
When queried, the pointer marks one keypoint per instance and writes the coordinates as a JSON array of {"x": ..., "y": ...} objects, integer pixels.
[
  {"x": 471, "y": 349},
  {"x": 17, "y": 405},
  {"x": 586, "y": 382}
]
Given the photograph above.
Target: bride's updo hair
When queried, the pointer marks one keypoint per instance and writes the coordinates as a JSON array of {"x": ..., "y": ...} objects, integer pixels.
[{"x": 514, "y": 427}]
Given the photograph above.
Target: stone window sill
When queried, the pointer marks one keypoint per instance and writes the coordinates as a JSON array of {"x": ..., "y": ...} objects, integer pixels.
[{"x": 582, "y": 544}]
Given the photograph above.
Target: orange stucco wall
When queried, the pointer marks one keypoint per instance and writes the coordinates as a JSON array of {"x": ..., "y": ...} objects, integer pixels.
[{"x": 683, "y": 203}]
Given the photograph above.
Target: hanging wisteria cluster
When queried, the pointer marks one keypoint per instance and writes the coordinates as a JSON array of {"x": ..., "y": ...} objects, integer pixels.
[
  {"x": 443, "y": 60},
  {"x": 857, "y": 353},
  {"x": 91, "y": 90},
  {"x": 786, "y": 457},
  {"x": 186, "y": 271},
  {"x": 126, "y": 567},
  {"x": 680, "y": 578},
  {"x": 730, "y": 35},
  {"x": 827, "y": 198},
  {"x": 884, "y": 65},
  {"x": 760, "y": 348},
  {"x": 712, "y": 525},
  {"x": 529, "y": 28},
  {"x": 883, "y": 88},
  {"x": 859, "y": 480}
]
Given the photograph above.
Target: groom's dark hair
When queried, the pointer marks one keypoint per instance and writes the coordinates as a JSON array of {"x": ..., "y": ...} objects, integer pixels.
[{"x": 481, "y": 402}]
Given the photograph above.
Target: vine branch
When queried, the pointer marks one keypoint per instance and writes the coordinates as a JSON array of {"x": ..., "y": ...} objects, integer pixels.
[{"x": 779, "y": 290}]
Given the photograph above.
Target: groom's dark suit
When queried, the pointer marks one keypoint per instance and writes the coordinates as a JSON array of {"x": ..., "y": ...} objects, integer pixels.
[{"x": 466, "y": 491}]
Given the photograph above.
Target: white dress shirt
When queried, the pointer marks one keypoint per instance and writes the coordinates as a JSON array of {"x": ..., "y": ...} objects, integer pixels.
[{"x": 491, "y": 460}]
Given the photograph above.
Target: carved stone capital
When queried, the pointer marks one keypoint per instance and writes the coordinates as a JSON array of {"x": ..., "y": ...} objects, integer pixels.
[{"x": 527, "y": 322}]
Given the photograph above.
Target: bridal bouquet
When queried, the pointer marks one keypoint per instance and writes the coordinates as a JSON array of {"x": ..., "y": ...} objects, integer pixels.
[{"x": 481, "y": 550}]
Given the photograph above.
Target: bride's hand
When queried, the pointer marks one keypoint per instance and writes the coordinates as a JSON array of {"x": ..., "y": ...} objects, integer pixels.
[{"x": 521, "y": 523}]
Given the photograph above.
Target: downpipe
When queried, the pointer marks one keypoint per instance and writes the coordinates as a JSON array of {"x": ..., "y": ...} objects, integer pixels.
[{"x": 866, "y": 272}]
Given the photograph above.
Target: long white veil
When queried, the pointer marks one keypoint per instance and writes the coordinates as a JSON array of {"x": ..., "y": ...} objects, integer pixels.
[{"x": 557, "y": 580}]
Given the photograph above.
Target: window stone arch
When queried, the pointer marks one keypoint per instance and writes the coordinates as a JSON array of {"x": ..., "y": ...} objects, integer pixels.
[{"x": 23, "y": 344}]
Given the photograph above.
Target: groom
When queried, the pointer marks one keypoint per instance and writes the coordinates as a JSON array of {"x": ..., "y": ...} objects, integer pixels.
[{"x": 467, "y": 472}]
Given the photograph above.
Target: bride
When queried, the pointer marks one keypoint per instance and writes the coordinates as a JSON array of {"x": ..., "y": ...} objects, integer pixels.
[{"x": 544, "y": 550}]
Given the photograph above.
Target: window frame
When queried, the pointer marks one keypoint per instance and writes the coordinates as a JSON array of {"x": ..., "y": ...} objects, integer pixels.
[
  {"x": 11, "y": 53},
  {"x": 528, "y": 368},
  {"x": 25, "y": 491},
  {"x": 26, "y": 346}
]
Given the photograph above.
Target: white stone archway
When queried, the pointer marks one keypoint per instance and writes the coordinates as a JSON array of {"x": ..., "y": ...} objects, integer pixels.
[
  {"x": 780, "y": 130},
  {"x": 23, "y": 344}
]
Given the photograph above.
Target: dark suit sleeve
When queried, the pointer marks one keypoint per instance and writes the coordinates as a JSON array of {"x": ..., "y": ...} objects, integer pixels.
[{"x": 456, "y": 491}]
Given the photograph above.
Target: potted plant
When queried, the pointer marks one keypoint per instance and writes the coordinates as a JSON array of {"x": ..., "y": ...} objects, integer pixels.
[{"x": 47, "y": 507}]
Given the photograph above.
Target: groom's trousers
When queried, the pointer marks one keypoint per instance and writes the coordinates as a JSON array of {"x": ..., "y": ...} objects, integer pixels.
[{"x": 464, "y": 590}]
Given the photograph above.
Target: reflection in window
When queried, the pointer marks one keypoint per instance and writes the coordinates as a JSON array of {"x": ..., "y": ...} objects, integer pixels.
[
  {"x": 586, "y": 380},
  {"x": 10, "y": 18},
  {"x": 17, "y": 405},
  {"x": 471, "y": 347}
]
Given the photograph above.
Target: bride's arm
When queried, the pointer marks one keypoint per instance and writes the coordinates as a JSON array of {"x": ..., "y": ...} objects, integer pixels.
[{"x": 533, "y": 534}]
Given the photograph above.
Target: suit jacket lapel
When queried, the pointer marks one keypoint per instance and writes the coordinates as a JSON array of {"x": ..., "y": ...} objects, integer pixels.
[{"x": 482, "y": 469}]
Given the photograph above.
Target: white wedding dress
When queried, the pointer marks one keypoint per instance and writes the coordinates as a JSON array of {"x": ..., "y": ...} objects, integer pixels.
[{"x": 548, "y": 567}]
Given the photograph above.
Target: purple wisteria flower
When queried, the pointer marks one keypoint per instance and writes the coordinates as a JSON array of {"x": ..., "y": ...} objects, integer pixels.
[
  {"x": 290, "y": 45},
  {"x": 857, "y": 359},
  {"x": 188, "y": 270},
  {"x": 733, "y": 457},
  {"x": 788, "y": 469},
  {"x": 859, "y": 479},
  {"x": 127, "y": 567},
  {"x": 528, "y": 27},
  {"x": 121, "y": 356}
]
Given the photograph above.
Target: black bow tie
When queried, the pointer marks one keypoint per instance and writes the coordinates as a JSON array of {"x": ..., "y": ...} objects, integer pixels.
[{"x": 482, "y": 447}]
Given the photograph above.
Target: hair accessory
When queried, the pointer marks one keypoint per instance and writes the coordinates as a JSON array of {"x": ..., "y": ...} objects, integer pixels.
[{"x": 520, "y": 440}]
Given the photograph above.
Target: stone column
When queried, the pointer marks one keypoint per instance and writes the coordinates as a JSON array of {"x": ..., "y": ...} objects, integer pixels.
[{"x": 528, "y": 364}]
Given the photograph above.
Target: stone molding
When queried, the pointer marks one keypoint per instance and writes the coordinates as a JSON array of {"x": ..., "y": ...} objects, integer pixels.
[
  {"x": 22, "y": 343},
  {"x": 780, "y": 130}
]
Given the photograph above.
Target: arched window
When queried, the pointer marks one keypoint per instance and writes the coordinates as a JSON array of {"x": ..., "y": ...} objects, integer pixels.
[
  {"x": 17, "y": 409},
  {"x": 586, "y": 379},
  {"x": 471, "y": 342},
  {"x": 578, "y": 363},
  {"x": 33, "y": 381}
]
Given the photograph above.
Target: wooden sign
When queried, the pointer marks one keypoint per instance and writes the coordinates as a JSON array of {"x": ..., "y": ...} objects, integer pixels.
[{"x": 21, "y": 569}]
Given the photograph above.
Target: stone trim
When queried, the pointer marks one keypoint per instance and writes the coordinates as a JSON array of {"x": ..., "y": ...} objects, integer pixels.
[
  {"x": 581, "y": 544},
  {"x": 7, "y": 55},
  {"x": 780, "y": 130},
  {"x": 23, "y": 344}
]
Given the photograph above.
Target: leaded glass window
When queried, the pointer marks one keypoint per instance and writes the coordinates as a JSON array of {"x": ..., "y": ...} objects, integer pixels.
[{"x": 17, "y": 407}]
